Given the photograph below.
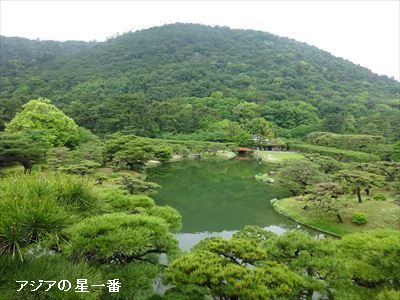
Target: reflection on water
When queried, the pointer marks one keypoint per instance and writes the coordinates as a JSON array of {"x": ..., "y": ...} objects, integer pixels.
[{"x": 217, "y": 198}]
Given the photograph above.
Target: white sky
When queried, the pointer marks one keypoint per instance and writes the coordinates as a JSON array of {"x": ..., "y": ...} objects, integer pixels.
[{"x": 364, "y": 32}]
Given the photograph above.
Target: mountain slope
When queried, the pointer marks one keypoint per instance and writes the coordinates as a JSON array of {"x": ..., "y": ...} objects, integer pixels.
[{"x": 185, "y": 60}]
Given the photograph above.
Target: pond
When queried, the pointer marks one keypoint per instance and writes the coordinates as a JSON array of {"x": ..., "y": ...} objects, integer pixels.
[{"x": 217, "y": 198}]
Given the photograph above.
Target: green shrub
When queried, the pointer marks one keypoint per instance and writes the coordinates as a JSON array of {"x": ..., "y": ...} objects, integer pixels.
[
  {"x": 66, "y": 189},
  {"x": 27, "y": 221},
  {"x": 37, "y": 207},
  {"x": 121, "y": 201},
  {"x": 82, "y": 168},
  {"x": 359, "y": 218},
  {"x": 163, "y": 153},
  {"x": 137, "y": 280},
  {"x": 169, "y": 214},
  {"x": 74, "y": 191},
  {"x": 48, "y": 267},
  {"x": 120, "y": 238},
  {"x": 379, "y": 197}
]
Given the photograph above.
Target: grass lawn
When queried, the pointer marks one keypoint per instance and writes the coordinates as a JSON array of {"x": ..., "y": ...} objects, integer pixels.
[
  {"x": 381, "y": 214},
  {"x": 277, "y": 156}
]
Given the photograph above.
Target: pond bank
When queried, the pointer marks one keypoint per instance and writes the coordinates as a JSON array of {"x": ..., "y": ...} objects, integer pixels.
[
  {"x": 278, "y": 209},
  {"x": 381, "y": 214}
]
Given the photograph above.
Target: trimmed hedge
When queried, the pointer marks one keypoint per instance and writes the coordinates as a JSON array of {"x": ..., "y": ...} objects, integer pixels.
[
  {"x": 374, "y": 144},
  {"x": 339, "y": 154}
]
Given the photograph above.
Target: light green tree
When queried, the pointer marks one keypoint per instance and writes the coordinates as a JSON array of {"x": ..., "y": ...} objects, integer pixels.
[
  {"x": 39, "y": 114},
  {"x": 260, "y": 126},
  {"x": 234, "y": 269}
]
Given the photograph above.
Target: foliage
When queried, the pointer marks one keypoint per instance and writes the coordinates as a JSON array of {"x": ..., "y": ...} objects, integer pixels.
[
  {"x": 138, "y": 186},
  {"x": 21, "y": 148},
  {"x": 260, "y": 126},
  {"x": 30, "y": 214},
  {"x": 290, "y": 114},
  {"x": 47, "y": 267},
  {"x": 379, "y": 197},
  {"x": 40, "y": 114},
  {"x": 137, "y": 280},
  {"x": 120, "y": 238},
  {"x": 332, "y": 268},
  {"x": 163, "y": 153},
  {"x": 83, "y": 168},
  {"x": 359, "y": 218},
  {"x": 371, "y": 259},
  {"x": 297, "y": 175},
  {"x": 181, "y": 78},
  {"x": 71, "y": 191},
  {"x": 363, "y": 143},
  {"x": 396, "y": 152},
  {"x": 341, "y": 155},
  {"x": 389, "y": 169},
  {"x": 222, "y": 267},
  {"x": 358, "y": 180},
  {"x": 327, "y": 164},
  {"x": 324, "y": 197},
  {"x": 121, "y": 201}
]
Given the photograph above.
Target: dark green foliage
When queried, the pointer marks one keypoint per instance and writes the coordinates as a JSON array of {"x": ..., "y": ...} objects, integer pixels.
[
  {"x": 163, "y": 153},
  {"x": 363, "y": 143},
  {"x": 122, "y": 83},
  {"x": 396, "y": 152},
  {"x": 379, "y": 197},
  {"x": 138, "y": 186},
  {"x": 327, "y": 164},
  {"x": 357, "y": 180},
  {"x": 83, "y": 168},
  {"x": 290, "y": 114},
  {"x": 324, "y": 197},
  {"x": 21, "y": 148},
  {"x": 260, "y": 126},
  {"x": 297, "y": 175},
  {"x": 81, "y": 161},
  {"x": 223, "y": 269},
  {"x": 124, "y": 152},
  {"x": 137, "y": 280},
  {"x": 341, "y": 155},
  {"x": 47, "y": 267},
  {"x": 349, "y": 268}
]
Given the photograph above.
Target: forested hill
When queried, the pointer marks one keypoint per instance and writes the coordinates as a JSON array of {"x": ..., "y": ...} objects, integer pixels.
[{"x": 86, "y": 79}]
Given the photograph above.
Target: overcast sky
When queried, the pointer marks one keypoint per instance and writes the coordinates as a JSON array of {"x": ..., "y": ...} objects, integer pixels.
[{"x": 364, "y": 32}]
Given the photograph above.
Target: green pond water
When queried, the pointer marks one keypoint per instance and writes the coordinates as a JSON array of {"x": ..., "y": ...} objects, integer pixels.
[{"x": 217, "y": 198}]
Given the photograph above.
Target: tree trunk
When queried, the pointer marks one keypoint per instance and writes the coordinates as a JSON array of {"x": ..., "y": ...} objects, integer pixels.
[
  {"x": 339, "y": 218},
  {"x": 367, "y": 191},
  {"x": 358, "y": 194},
  {"x": 27, "y": 166}
]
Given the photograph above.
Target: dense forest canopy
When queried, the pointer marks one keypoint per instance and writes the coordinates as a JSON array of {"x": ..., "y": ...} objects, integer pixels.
[{"x": 181, "y": 78}]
